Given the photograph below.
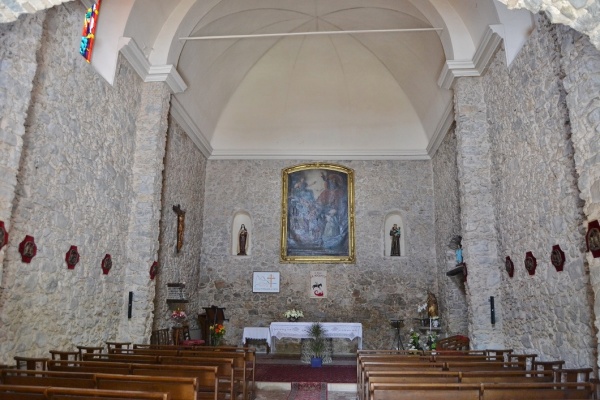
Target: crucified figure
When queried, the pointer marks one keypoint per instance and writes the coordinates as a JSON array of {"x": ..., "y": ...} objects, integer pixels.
[{"x": 180, "y": 225}]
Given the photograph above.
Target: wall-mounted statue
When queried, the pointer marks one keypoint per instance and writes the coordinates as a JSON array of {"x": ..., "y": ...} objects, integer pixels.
[
  {"x": 395, "y": 235},
  {"x": 180, "y": 225},
  {"x": 432, "y": 306},
  {"x": 242, "y": 241}
]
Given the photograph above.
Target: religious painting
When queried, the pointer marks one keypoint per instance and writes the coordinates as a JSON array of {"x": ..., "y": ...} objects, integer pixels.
[
  {"x": 265, "y": 282},
  {"x": 318, "y": 284},
  {"x": 317, "y": 221}
]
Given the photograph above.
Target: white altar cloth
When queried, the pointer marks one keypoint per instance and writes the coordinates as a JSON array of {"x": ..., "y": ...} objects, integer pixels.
[{"x": 299, "y": 330}]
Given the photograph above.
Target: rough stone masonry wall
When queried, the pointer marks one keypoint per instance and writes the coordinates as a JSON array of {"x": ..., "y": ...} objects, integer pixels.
[
  {"x": 581, "y": 64},
  {"x": 537, "y": 204},
  {"x": 18, "y": 64},
  {"x": 74, "y": 188},
  {"x": 183, "y": 184},
  {"x": 453, "y": 304},
  {"x": 371, "y": 291}
]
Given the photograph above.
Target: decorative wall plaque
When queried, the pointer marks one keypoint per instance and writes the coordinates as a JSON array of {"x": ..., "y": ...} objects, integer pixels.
[
  {"x": 557, "y": 257},
  {"x": 28, "y": 249},
  {"x": 72, "y": 257},
  {"x": 509, "y": 266},
  {"x": 176, "y": 293},
  {"x": 3, "y": 235},
  {"x": 106, "y": 264},
  {"x": 153, "y": 270},
  {"x": 592, "y": 238},
  {"x": 530, "y": 263}
]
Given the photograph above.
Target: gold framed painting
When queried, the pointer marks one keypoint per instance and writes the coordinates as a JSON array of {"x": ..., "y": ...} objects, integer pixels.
[{"x": 317, "y": 214}]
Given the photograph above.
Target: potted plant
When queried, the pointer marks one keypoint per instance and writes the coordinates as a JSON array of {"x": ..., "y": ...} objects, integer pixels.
[{"x": 317, "y": 344}]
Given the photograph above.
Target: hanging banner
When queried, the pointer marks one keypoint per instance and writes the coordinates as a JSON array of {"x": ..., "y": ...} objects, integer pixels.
[
  {"x": 318, "y": 284},
  {"x": 89, "y": 31}
]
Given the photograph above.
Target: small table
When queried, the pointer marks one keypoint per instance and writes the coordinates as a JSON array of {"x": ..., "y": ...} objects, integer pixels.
[{"x": 257, "y": 333}]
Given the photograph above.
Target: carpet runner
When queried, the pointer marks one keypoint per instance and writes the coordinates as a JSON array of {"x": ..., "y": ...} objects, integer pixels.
[
  {"x": 305, "y": 373},
  {"x": 308, "y": 391}
]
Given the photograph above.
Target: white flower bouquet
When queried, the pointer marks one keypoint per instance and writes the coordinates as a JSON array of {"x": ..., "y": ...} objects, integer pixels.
[{"x": 293, "y": 314}]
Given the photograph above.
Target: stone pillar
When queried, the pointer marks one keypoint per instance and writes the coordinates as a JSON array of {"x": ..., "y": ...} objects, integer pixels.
[
  {"x": 142, "y": 240},
  {"x": 18, "y": 65},
  {"x": 480, "y": 236},
  {"x": 581, "y": 65}
]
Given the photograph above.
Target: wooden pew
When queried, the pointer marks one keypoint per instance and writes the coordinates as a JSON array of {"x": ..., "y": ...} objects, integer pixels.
[
  {"x": 206, "y": 376},
  {"x": 485, "y": 366},
  {"x": 535, "y": 391},
  {"x": 178, "y": 388},
  {"x": 424, "y": 391},
  {"x": 406, "y": 377},
  {"x": 47, "y": 378},
  {"x": 94, "y": 394},
  {"x": 21, "y": 392},
  {"x": 510, "y": 376},
  {"x": 126, "y": 358},
  {"x": 89, "y": 366},
  {"x": 225, "y": 370}
]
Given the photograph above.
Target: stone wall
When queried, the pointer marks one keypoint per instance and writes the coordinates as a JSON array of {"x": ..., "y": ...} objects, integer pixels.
[
  {"x": 581, "y": 64},
  {"x": 183, "y": 184},
  {"x": 452, "y": 298},
  {"x": 537, "y": 204},
  {"x": 371, "y": 291},
  {"x": 74, "y": 188}
]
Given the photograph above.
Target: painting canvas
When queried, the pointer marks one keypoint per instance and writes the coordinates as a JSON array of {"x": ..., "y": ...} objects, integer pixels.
[{"x": 317, "y": 214}]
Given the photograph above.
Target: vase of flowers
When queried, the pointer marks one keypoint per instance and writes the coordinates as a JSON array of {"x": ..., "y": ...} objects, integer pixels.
[
  {"x": 178, "y": 316},
  {"x": 414, "y": 343},
  {"x": 293, "y": 315},
  {"x": 217, "y": 332}
]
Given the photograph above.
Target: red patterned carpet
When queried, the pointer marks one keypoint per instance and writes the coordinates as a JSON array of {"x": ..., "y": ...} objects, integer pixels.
[
  {"x": 305, "y": 373},
  {"x": 308, "y": 391}
]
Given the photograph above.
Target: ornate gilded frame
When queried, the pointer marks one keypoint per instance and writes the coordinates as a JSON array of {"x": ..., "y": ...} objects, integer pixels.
[{"x": 317, "y": 214}]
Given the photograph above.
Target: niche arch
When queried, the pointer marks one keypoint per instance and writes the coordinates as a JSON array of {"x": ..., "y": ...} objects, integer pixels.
[
  {"x": 394, "y": 217},
  {"x": 241, "y": 218}
]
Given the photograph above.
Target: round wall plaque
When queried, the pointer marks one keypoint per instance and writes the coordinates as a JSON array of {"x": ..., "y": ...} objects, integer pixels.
[
  {"x": 28, "y": 249},
  {"x": 557, "y": 257}
]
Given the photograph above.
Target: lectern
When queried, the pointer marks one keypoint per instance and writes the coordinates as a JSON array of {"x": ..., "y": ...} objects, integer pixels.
[{"x": 212, "y": 315}]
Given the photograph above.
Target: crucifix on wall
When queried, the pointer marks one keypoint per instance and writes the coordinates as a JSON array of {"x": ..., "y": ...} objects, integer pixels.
[{"x": 180, "y": 225}]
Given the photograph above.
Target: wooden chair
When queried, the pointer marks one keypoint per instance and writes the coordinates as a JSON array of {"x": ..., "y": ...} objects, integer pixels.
[
  {"x": 64, "y": 355},
  {"x": 117, "y": 345},
  {"x": 31, "y": 363},
  {"x": 89, "y": 349}
]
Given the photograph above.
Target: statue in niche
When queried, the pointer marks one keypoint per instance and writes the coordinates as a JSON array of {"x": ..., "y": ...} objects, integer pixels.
[
  {"x": 242, "y": 241},
  {"x": 180, "y": 226},
  {"x": 432, "y": 306},
  {"x": 395, "y": 235}
]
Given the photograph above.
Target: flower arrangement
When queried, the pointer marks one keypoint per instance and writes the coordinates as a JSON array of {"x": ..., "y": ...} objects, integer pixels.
[
  {"x": 216, "y": 334},
  {"x": 414, "y": 341},
  {"x": 432, "y": 341},
  {"x": 422, "y": 309},
  {"x": 178, "y": 316},
  {"x": 293, "y": 314}
]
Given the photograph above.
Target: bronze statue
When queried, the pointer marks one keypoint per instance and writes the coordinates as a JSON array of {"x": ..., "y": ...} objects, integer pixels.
[
  {"x": 395, "y": 234},
  {"x": 242, "y": 241},
  {"x": 432, "y": 306},
  {"x": 180, "y": 225}
]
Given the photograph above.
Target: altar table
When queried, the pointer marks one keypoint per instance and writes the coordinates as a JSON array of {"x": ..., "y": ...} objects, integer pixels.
[{"x": 299, "y": 330}]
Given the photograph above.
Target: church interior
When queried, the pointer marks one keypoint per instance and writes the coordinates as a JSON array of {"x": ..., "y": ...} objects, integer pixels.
[{"x": 210, "y": 152}]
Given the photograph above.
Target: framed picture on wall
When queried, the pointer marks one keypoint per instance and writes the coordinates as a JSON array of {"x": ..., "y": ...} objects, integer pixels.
[
  {"x": 317, "y": 220},
  {"x": 265, "y": 282}
]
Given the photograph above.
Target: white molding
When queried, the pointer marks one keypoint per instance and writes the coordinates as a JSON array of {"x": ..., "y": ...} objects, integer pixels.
[
  {"x": 150, "y": 73},
  {"x": 441, "y": 130},
  {"x": 245, "y": 154},
  {"x": 454, "y": 69},
  {"x": 187, "y": 124}
]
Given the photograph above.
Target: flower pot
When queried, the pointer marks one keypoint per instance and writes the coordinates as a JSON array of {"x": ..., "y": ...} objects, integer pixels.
[{"x": 316, "y": 362}]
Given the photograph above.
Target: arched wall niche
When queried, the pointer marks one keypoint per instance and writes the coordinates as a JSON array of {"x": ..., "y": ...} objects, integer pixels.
[
  {"x": 394, "y": 217},
  {"x": 241, "y": 218}
]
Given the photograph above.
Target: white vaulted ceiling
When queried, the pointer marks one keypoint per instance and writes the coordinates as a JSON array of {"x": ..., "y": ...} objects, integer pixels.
[{"x": 332, "y": 96}]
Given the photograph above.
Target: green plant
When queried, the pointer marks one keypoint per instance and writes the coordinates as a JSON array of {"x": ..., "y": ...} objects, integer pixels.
[{"x": 317, "y": 339}]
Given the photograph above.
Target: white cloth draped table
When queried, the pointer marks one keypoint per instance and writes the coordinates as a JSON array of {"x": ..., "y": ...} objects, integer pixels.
[
  {"x": 299, "y": 330},
  {"x": 258, "y": 333}
]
